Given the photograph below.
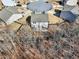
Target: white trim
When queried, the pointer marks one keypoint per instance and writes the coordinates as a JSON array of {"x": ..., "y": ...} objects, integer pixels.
[
  {"x": 13, "y": 18},
  {"x": 39, "y": 26}
]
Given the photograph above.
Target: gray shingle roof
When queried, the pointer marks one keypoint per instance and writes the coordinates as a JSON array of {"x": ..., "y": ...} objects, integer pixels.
[
  {"x": 68, "y": 8},
  {"x": 39, "y": 18},
  {"x": 75, "y": 10},
  {"x": 39, "y": 6},
  {"x": 12, "y": 9},
  {"x": 68, "y": 16},
  {"x": 5, "y": 15},
  {"x": 7, "y": 12}
]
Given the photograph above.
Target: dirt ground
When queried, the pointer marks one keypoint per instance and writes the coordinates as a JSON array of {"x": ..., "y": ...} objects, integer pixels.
[
  {"x": 57, "y": 43},
  {"x": 60, "y": 42}
]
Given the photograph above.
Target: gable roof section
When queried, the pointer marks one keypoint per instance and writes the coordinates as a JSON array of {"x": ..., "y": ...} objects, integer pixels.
[
  {"x": 8, "y": 2},
  {"x": 5, "y": 14},
  {"x": 75, "y": 10},
  {"x": 67, "y": 7},
  {"x": 8, "y": 13},
  {"x": 72, "y": 2},
  {"x": 12, "y": 9},
  {"x": 68, "y": 16},
  {"x": 39, "y": 18}
]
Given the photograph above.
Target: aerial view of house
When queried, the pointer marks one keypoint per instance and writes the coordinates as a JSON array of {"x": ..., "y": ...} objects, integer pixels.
[{"x": 39, "y": 29}]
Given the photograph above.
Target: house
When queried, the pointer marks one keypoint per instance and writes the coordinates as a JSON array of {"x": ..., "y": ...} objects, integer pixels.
[
  {"x": 39, "y": 22},
  {"x": 67, "y": 7},
  {"x": 8, "y": 2},
  {"x": 14, "y": 2},
  {"x": 10, "y": 14},
  {"x": 75, "y": 10},
  {"x": 72, "y": 2},
  {"x": 68, "y": 16}
]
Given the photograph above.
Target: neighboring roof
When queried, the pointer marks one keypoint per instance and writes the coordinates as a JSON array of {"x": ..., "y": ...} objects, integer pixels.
[
  {"x": 68, "y": 16},
  {"x": 78, "y": 17},
  {"x": 9, "y": 14},
  {"x": 12, "y": 9},
  {"x": 13, "y": 18},
  {"x": 39, "y": 6},
  {"x": 75, "y": 10},
  {"x": 8, "y": 2},
  {"x": 39, "y": 18},
  {"x": 68, "y": 8},
  {"x": 5, "y": 14},
  {"x": 72, "y": 2}
]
